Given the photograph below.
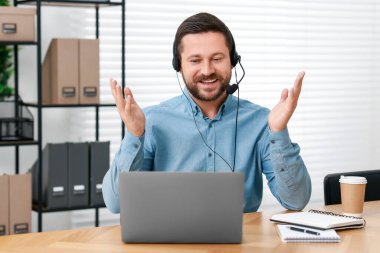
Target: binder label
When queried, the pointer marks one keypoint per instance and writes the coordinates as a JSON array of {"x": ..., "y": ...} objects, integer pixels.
[
  {"x": 79, "y": 189},
  {"x": 98, "y": 188},
  {"x": 58, "y": 190}
]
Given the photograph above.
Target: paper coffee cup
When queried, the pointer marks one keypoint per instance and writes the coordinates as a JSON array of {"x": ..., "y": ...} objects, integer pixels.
[{"x": 352, "y": 191}]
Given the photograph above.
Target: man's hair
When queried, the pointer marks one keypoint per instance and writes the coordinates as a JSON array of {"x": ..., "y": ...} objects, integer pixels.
[{"x": 201, "y": 23}]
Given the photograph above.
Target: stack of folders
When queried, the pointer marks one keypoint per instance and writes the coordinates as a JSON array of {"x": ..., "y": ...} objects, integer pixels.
[{"x": 290, "y": 233}]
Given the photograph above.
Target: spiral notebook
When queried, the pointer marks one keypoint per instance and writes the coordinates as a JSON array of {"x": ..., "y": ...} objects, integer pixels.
[
  {"x": 288, "y": 235},
  {"x": 319, "y": 220}
]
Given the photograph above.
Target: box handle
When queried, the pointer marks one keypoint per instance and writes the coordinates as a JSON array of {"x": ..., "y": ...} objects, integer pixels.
[
  {"x": 9, "y": 28},
  {"x": 3, "y": 230},
  {"x": 21, "y": 228},
  {"x": 68, "y": 91},
  {"x": 90, "y": 91}
]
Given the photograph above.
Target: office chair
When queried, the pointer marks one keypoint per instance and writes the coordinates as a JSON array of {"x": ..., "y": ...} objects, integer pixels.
[{"x": 331, "y": 186}]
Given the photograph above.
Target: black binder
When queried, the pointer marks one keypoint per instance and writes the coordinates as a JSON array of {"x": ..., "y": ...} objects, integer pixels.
[
  {"x": 99, "y": 164},
  {"x": 78, "y": 162},
  {"x": 55, "y": 177},
  {"x": 54, "y": 168}
]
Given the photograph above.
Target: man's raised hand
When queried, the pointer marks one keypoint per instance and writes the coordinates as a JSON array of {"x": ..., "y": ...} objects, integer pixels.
[
  {"x": 129, "y": 111},
  {"x": 280, "y": 115}
]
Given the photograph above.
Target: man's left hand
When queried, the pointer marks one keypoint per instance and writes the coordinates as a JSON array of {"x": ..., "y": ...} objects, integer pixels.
[{"x": 280, "y": 115}]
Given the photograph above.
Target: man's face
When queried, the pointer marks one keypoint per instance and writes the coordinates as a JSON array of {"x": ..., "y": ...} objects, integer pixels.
[{"x": 205, "y": 65}]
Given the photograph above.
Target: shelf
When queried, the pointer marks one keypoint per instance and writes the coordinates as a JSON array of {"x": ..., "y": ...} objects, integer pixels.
[
  {"x": 38, "y": 4},
  {"x": 18, "y": 143},
  {"x": 69, "y": 105},
  {"x": 71, "y": 3},
  {"x": 33, "y": 43},
  {"x": 35, "y": 208}
]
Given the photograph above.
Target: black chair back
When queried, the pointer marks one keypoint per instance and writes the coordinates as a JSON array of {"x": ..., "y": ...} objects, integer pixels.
[{"x": 331, "y": 186}]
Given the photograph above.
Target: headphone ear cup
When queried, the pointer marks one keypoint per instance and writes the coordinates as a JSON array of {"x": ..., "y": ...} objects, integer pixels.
[
  {"x": 175, "y": 63},
  {"x": 235, "y": 58}
]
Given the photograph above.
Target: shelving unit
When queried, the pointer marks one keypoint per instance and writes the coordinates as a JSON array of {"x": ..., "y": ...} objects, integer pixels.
[{"x": 39, "y": 106}]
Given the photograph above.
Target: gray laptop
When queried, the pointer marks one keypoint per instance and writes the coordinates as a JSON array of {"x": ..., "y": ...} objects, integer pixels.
[{"x": 181, "y": 207}]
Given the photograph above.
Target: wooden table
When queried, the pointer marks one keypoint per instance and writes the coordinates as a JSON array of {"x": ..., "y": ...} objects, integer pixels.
[{"x": 259, "y": 236}]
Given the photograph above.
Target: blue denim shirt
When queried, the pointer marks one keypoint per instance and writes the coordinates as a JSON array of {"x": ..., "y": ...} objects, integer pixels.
[{"x": 171, "y": 142}]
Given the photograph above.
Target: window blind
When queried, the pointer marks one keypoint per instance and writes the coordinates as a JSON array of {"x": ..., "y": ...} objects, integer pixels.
[{"x": 335, "y": 42}]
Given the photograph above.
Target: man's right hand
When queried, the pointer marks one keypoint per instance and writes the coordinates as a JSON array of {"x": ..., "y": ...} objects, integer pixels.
[{"x": 129, "y": 111}]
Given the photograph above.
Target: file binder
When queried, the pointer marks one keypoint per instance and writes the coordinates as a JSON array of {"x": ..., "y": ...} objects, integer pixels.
[
  {"x": 78, "y": 163},
  {"x": 34, "y": 171},
  {"x": 55, "y": 177},
  {"x": 72, "y": 175},
  {"x": 99, "y": 164}
]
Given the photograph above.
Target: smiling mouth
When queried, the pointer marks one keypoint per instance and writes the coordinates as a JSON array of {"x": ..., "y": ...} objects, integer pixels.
[{"x": 211, "y": 81}]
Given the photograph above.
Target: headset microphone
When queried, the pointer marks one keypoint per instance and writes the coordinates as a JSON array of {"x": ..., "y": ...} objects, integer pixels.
[{"x": 233, "y": 87}]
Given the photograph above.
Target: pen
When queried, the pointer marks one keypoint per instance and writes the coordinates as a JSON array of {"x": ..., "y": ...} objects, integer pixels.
[{"x": 304, "y": 230}]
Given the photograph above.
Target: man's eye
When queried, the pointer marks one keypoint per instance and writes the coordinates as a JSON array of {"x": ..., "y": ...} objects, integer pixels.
[
  {"x": 217, "y": 59},
  {"x": 194, "y": 60}
]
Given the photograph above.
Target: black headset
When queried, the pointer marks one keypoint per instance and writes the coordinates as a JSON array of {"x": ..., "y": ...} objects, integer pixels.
[{"x": 234, "y": 57}]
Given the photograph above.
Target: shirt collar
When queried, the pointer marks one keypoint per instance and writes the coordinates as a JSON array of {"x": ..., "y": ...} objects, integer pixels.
[
  {"x": 192, "y": 108},
  {"x": 227, "y": 106}
]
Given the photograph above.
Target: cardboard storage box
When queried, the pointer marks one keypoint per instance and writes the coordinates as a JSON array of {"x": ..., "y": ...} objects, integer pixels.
[
  {"x": 88, "y": 71},
  {"x": 60, "y": 75},
  {"x": 4, "y": 205},
  {"x": 17, "y": 24},
  {"x": 20, "y": 203},
  {"x": 15, "y": 204},
  {"x": 70, "y": 72}
]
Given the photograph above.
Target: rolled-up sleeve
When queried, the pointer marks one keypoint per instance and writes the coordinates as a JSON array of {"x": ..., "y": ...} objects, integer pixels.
[
  {"x": 129, "y": 157},
  {"x": 287, "y": 176}
]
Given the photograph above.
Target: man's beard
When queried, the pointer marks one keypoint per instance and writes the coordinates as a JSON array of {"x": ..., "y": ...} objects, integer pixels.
[{"x": 196, "y": 93}]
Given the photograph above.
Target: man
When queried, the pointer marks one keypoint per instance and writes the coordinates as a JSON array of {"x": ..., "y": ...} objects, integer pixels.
[{"x": 197, "y": 131}]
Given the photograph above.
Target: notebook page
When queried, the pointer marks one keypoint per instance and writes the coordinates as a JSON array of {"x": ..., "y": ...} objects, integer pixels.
[{"x": 288, "y": 235}]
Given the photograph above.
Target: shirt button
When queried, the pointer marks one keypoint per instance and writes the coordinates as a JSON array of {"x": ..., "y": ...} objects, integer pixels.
[
  {"x": 209, "y": 154},
  {"x": 135, "y": 145},
  {"x": 282, "y": 169},
  {"x": 272, "y": 141},
  {"x": 209, "y": 125}
]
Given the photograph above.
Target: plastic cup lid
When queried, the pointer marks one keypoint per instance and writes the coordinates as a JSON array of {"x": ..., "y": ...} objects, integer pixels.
[{"x": 352, "y": 180}]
